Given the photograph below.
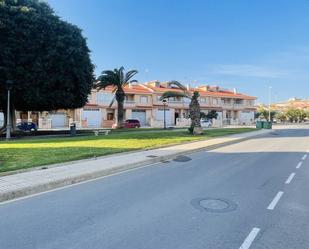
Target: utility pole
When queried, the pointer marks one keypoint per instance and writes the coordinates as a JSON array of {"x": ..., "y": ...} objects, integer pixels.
[
  {"x": 9, "y": 85},
  {"x": 164, "y": 119},
  {"x": 269, "y": 102}
]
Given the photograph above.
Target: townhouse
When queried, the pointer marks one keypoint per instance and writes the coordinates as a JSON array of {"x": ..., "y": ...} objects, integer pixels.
[{"x": 143, "y": 102}]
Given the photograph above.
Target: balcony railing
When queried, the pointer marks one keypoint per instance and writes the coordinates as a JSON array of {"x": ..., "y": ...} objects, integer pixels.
[{"x": 129, "y": 102}]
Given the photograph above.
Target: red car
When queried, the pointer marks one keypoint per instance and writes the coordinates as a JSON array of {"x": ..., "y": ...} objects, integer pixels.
[{"x": 132, "y": 123}]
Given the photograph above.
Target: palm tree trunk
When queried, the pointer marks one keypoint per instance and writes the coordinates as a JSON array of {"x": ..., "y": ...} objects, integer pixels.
[
  {"x": 195, "y": 115},
  {"x": 120, "y": 96}
]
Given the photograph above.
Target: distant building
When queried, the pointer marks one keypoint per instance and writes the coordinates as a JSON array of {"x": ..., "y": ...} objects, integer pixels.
[
  {"x": 291, "y": 103},
  {"x": 143, "y": 103}
]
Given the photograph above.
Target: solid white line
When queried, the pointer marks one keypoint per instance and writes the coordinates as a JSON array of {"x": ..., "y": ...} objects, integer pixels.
[
  {"x": 299, "y": 165},
  {"x": 248, "y": 241},
  {"x": 290, "y": 178},
  {"x": 304, "y": 157},
  {"x": 274, "y": 202}
]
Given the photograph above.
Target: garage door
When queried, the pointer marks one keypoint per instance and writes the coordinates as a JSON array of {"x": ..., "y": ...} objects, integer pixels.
[
  {"x": 58, "y": 120},
  {"x": 93, "y": 117},
  {"x": 168, "y": 116},
  {"x": 140, "y": 115}
]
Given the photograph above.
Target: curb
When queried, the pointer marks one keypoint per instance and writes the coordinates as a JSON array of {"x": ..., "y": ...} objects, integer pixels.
[{"x": 70, "y": 181}]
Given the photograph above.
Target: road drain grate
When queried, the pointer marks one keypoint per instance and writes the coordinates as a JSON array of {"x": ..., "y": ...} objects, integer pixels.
[
  {"x": 182, "y": 159},
  {"x": 152, "y": 156},
  {"x": 214, "y": 205},
  {"x": 165, "y": 161}
]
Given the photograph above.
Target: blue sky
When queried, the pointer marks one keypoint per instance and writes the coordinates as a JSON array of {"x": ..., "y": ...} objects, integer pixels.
[{"x": 246, "y": 44}]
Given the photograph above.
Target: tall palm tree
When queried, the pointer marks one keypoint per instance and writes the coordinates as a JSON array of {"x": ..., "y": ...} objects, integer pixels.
[
  {"x": 118, "y": 79},
  {"x": 194, "y": 106}
]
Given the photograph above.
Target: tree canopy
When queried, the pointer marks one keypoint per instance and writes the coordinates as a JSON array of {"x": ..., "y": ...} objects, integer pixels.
[{"x": 47, "y": 58}]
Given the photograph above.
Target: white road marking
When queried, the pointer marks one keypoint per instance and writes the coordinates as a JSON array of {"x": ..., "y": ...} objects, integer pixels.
[
  {"x": 248, "y": 241},
  {"x": 290, "y": 178},
  {"x": 274, "y": 202},
  {"x": 299, "y": 165},
  {"x": 304, "y": 157}
]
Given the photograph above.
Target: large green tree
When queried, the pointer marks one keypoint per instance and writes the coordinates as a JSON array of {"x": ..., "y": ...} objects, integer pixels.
[
  {"x": 118, "y": 79},
  {"x": 194, "y": 106},
  {"x": 47, "y": 58}
]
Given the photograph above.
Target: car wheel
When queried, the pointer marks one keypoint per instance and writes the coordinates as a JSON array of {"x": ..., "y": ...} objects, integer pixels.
[{"x": 136, "y": 126}]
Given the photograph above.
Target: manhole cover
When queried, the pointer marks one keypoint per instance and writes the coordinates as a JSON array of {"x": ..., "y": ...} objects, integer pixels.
[
  {"x": 214, "y": 205},
  {"x": 182, "y": 159},
  {"x": 152, "y": 156}
]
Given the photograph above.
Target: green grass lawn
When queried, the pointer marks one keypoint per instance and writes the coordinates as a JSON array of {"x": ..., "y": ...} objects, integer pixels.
[{"x": 26, "y": 153}]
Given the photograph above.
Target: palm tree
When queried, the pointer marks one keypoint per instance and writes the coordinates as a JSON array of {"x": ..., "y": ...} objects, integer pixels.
[
  {"x": 194, "y": 107},
  {"x": 118, "y": 79}
]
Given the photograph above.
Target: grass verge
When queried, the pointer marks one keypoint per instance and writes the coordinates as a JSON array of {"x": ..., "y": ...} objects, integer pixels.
[{"x": 27, "y": 153}]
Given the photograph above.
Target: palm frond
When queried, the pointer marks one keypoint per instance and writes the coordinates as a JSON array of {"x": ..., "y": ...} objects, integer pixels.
[
  {"x": 170, "y": 94},
  {"x": 177, "y": 84},
  {"x": 130, "y": 74},
  {"x": 102, "y": 84}
]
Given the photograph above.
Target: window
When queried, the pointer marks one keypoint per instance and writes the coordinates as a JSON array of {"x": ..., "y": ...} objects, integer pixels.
[
  {"x": 144, "y": 99},
  {"x": 104, "y": 98},
  {"x": 239, "y": 101}
]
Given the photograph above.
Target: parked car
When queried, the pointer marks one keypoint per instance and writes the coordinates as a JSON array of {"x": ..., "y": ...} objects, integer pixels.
[
  {"x": 132, "y": 123},
  {"x": 26, "y": 126},
  {"x": 206, "y": 123}
]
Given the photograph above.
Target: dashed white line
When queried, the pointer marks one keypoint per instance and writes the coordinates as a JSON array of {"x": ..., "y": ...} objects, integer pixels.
[
  {"x": 274, "y": 202},
  {"x": 299, "y": 165},
  {"x": 304, "y": 157},
  {"x": 290, "y": 178},
  {"x": 250, "y": 238}
]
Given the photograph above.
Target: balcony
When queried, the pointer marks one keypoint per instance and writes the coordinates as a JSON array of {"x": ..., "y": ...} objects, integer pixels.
[{"x": 129, "y": 103}]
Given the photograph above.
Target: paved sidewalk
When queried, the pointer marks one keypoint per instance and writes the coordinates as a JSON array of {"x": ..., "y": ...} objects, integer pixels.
[{"x": 22, "y": 184}]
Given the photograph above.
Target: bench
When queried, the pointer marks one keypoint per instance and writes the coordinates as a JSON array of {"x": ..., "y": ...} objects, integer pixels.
[{"x": 97, "y": 132}]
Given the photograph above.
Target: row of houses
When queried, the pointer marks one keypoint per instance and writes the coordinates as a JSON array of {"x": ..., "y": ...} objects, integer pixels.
[{"x": 143, "y": 102}]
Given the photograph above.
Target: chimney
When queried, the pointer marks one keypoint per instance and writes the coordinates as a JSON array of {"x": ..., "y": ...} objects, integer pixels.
[
  {"x": 130, "y": 85},
  {"x": 234, "y": 90},
  {"x": 188, "y": 87}
]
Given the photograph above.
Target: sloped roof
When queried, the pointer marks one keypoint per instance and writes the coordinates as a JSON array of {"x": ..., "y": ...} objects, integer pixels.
[{"x": 219, "y": 93}]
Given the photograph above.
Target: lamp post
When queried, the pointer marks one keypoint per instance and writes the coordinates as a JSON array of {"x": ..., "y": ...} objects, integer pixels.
[
  {"x": 164, "y": 120},
  {"x": 269, "y": 102},
  {"x": 9, "y": 85}
]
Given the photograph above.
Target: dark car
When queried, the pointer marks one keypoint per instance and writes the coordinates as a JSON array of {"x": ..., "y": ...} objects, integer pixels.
[
  {"x": 27, "y": 126},
  {"x": 132, "y": 123}
]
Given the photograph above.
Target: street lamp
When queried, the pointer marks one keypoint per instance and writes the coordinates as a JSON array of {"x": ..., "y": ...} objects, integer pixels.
[
  {"x": 9, "y": 85},
  {"x": 164, "y": 101},
  {"x": 269, "y": 102}
]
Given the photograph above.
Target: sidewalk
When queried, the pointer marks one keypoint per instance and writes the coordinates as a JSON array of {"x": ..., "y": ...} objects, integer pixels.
[{"x": 22, "y": 184}]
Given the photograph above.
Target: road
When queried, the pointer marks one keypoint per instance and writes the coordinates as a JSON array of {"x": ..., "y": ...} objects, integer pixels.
[{"x": 252, "y": 194}]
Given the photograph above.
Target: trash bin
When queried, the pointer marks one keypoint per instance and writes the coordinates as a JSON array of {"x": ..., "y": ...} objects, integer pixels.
[
  {"x": 72, "y": 129},
  {"x": 259, "y": 124},
  {"x": 267, "y": 125}
]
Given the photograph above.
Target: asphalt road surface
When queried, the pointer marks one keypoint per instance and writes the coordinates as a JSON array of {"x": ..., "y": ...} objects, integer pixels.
[{"x": 253, "y": 194}]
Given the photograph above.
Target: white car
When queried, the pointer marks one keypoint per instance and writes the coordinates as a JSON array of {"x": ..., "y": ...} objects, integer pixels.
[{"x": 206, "y": 123}]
